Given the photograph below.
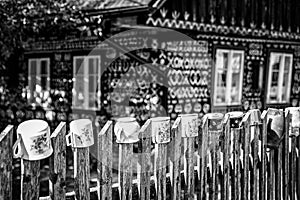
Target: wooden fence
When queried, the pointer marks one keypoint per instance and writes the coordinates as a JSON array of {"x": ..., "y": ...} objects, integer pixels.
[{"x": 231, "y": 163}]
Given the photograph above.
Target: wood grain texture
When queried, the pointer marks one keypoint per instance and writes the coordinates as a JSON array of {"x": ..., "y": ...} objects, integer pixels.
[
  {"x": 293, "y": 168},
  {"x": 237, "y": 168},
  {"x": 278, "y": 173},
  {"x": 57, "y": 163},
  {"x": 245, "y": 191},
  {"x": 255, "y": 147},
  {"x": 188, "y": 154},
  {"x": 30, "y": 185},
  {"x": 263, "y": 162},
  {"x": 6, "y": 156},
  {"x": 286, "y": 180},
  {"x": 298, "y": 169},
  {"x": 81, "y": 173},
  {"x": 125, "y": 171},
  {"x": 104, "y": 165},
  {"x": 204, "y": 158},
  {"x": 226, "y": 167},
  {"x": 160, "y": 164},
  {"x": 144, "y": 162},
  {"x": 175, "y": 162}
]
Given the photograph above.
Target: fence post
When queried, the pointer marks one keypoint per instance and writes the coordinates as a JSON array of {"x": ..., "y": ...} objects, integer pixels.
[
  {"x": 298, "y": 170},
  {"x": 263, "y": 167},
  {"x": 189, "y": 130},
  {"x": 202, "y": 151},
  {"x": 30, "y": 185},
  {"x": 215, "y": 127},
  {"x": 57, "y": 182},
  {"x": 175, "y": 163},
  {"x": 286, "y": 159},
  {"x": 161, "y": 138},
  {"x": 126, "y": 131},
  {"x": 226, "y": 152},
  {"x": 82, "y": 173},
  {"x": 144, "y": 164},
  {"x": 105, "y": 161},
  {"x": 6, "y": 156},
  {"x": 246, "y": 143}
]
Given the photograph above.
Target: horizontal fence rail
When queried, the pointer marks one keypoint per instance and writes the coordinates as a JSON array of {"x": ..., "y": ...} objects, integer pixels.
[{"x": 231, "y": 156}]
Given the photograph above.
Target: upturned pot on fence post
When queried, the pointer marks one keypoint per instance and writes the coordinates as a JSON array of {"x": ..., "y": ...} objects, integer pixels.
[
  {"x": 295, "y": 121},
  {"x": 275, "y": 126}
]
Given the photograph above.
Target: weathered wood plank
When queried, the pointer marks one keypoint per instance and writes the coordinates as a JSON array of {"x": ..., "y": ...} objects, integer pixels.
[
  {"x": 81, "y": 173},
  {"x": 104, "y": 165},
  {"x": 286, "y": 180},
  {"x": 176, "y": 160},
  {"x": 246, "y": 123},
  {"x": 160, "y": 158},
  {"x": 57, "y": 182},
  {"x": 125, "y": 171},
  {"x": 263, "y": 169},
  {"x": 298, "y": 170},
  {"x": 226, "y": 167},
  {"x": 30, "y": 185},
  {"x": 293, "y": 168},
  {"x": 278, "y": 173},
  {"x": 144, "y": 163},
  {"x": 255, "y": 162},
  {"x": 202, "y": 162},
  {"x": 6, "y": 156},
  {"x": 237, "y": 168},
  {"x": 189, "y": 149},
  {"x": 271, "y": 175}
]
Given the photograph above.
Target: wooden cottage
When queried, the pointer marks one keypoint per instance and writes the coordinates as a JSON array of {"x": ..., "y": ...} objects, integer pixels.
[{"x": 234, "y": 55}]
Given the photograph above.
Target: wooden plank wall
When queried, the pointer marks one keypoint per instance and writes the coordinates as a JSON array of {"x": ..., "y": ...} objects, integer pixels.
[{"x": 281, "y": 15}]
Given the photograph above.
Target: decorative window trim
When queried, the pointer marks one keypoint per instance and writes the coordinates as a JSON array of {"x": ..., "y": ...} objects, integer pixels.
[
  {"x": 86, "y": 75},
  {"x": 32, "y": 88},
  {"x": 280, "y": 79},
  {"x": 228, "y": 79}
]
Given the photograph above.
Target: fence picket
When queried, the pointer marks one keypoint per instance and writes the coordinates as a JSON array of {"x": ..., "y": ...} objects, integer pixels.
[
  {"x": 298, "y": 170},
  {"x": 286, "y": 180},
  {"x": 263, "y": 161},
  {"x": 246, "y": 145},
  {"x": 144, "y": 164},
  {"x": 160, "y": 170},
  {"x": 175, "y": 160},
  {"x": 6, "y": 156},
  {"x": 104, "y": 165},
  {"x": 203, "y": 160},
  {"x": 226, "y": 167},
  {"x": 30, "y": 185},
  {"x": 82, "y": 173},
  {"x": 293, "y": 167},
  {"x": 57, "y": 182},
  {"x": 125, "y": 171}
]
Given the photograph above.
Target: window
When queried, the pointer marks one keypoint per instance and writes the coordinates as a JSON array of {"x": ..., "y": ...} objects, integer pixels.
[
  {"x": 86, "y": 82},
  {"x": 38, "y": 79},
  {"x": 228, "y": 77},
  {"x": 279, "y": 78}
]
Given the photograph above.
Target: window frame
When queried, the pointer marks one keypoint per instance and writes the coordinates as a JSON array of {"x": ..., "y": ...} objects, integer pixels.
[
  {"x": 280, "y": 78},
  {"x": 228, "y": 80},
  {"x": 86, "y": 75},
  {"x": 32, "y": 89}
]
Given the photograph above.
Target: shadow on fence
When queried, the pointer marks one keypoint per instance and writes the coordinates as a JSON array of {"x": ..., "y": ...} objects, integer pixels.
[{"x": 232, "y": 156}]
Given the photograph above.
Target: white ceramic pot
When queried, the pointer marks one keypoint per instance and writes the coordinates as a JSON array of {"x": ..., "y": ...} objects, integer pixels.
[
  {"x": 127, "y": 130},
  {"x": 81, "y": 133},
  {"x": 189, "y": 125},
  {"x": 33, "y": 141},
  {"x": 161, "y": 130}
]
